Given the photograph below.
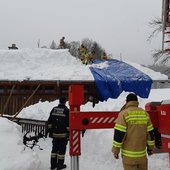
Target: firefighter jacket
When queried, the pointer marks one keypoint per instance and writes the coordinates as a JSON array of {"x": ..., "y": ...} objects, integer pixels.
[
  {"x": 133, "y": 134},
  {"x": 58, "y": 122},
  {"x": 83, "y": 52},
  {"x": 89, "y": 58},
  {"x": 62, "y": 43}
]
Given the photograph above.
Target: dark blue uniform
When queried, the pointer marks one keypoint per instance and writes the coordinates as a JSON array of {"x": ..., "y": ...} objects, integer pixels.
[{"x": 58, "y": 124}]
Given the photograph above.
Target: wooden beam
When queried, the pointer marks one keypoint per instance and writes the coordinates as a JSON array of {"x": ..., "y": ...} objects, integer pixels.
[
  {"x": 25, "y": 103},
  {"x": 6, "y": 104}
]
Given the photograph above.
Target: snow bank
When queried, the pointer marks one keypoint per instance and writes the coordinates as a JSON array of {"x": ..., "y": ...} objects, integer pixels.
[
  {"x": 41, "y": 110},
  {"x": 154, "y": 75},
  {"x": 95, "y": 145},
  {"x": 47, "y": 64},
  {"x": 13, "y": 156},
  {"x": 41, "y": 64}
]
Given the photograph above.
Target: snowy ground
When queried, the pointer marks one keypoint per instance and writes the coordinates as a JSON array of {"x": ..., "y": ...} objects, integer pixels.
[{"x": 96, "y": 144}]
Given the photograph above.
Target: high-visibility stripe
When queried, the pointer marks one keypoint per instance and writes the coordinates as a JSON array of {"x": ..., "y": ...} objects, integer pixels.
[
  {"x": 137, "y": 117},
  {"x": 138, "y": 122},
  {"x": 120, "y": 127},
  {"x": 151, "y": 142},
  {"x": 149, "y": 128},
  {"x": 137, "y": 112},
  {"x": 117, "y": 144},
  {"x": 49, "y": 125},
  {"x": 134, "y": 154},
  {"x": 53, "y": 155},
  {"x": 62, "y": 135},
  {"x": 61, "y": 157}
]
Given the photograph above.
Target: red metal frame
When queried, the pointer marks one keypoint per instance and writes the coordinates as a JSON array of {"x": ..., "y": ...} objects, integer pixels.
[
  {"x": 84, "y": 120},
  {"x": 99, "y": 120},
  {"x": 92, "y": 120}
]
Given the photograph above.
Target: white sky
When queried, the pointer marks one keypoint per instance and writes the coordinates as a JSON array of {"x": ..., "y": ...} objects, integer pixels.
[{"x": 121, "y": 27}]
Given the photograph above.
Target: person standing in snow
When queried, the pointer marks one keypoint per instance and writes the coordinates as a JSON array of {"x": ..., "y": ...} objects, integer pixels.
[
  {"x": 133, "y": 135},
  {"x": 58, "y": 129},
  {"x": 104, "y": 56},
  {"x": 89, "y": 57},
  {"x": 62, "y": 43},
  {"x": 83, "y": 53}
]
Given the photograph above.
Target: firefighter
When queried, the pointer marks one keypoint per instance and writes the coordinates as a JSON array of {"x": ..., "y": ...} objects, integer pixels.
[
  {"x": 62, "y": 43},
  {"x": 104, "y": 56},
  {"x": 58, "y": 129},
  {"x": 89, "y": 57},
  {"x": 83, "y": 53},
  {"x": 134, "y": 135}
]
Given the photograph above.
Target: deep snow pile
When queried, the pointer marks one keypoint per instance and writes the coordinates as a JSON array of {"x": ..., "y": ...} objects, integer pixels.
[
  {"x": 12, "y": 153},
  {"x": 95, "y": 145},
  {"x": 41, "y": 110},
  {"x": 41, "y": 64},
  {"x": 47, "y": 64}
]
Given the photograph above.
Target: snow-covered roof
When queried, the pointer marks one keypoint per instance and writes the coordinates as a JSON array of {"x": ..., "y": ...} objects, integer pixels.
[{"x": 47, "y": 64}]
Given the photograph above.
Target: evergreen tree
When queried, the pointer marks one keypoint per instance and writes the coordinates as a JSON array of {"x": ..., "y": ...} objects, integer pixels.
[{"x": 53, "y": 45}]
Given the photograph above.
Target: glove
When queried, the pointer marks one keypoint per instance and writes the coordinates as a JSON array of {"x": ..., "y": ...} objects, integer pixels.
[
  {"x": 116, "y": 156},
  {"x": 115, "y": 152},
  {"x": 149, "y": 151}
]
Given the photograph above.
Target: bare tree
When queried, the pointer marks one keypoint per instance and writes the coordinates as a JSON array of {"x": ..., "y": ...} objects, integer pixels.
[
  {"x": 157, "y": 55},
  {"x": 87, "y": 43},
  {"x": 93, "y": 46},
  {"x": 156, "y": 24},
  {"x": 161, "y": 57},
  {"x": 73, "y": 48}
]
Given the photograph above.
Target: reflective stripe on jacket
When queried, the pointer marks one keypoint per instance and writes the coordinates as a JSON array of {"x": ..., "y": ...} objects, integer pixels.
[{"x": 132, "y": 133}]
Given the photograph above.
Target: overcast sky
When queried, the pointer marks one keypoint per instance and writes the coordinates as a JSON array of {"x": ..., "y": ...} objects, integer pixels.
[{"x": 119, "y": 26}]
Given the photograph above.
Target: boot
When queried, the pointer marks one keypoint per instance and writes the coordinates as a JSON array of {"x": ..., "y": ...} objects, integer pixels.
[{"x": 59, "y": 167}]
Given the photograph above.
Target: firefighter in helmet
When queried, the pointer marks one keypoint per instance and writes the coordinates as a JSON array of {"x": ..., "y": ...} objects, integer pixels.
[
  {"x": 104, "y": 56},
  {"x": 89, "y": 57},
  {"x": 134, "y": 135},
  {"x": 83, "y": 53},
  {"x": 58, "y": 129},
  {"x": 62, "y": 43}
]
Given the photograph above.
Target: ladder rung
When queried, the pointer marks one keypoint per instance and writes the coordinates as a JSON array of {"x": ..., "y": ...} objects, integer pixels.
[
  {"x": 167, "y": 50},
  {"x": 167, "y": 41},
  {"x": 167, "y": 24},
  {"x": 167, "y": 32}
]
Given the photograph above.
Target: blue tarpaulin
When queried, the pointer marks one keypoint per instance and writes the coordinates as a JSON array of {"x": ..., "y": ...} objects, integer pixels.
[{"x": 117, "y": 76}]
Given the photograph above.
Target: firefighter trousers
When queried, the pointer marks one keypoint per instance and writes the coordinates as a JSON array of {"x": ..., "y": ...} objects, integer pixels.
[
  {"x": 142, "y": 166},
  {"x": 58, "y": 151}
]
